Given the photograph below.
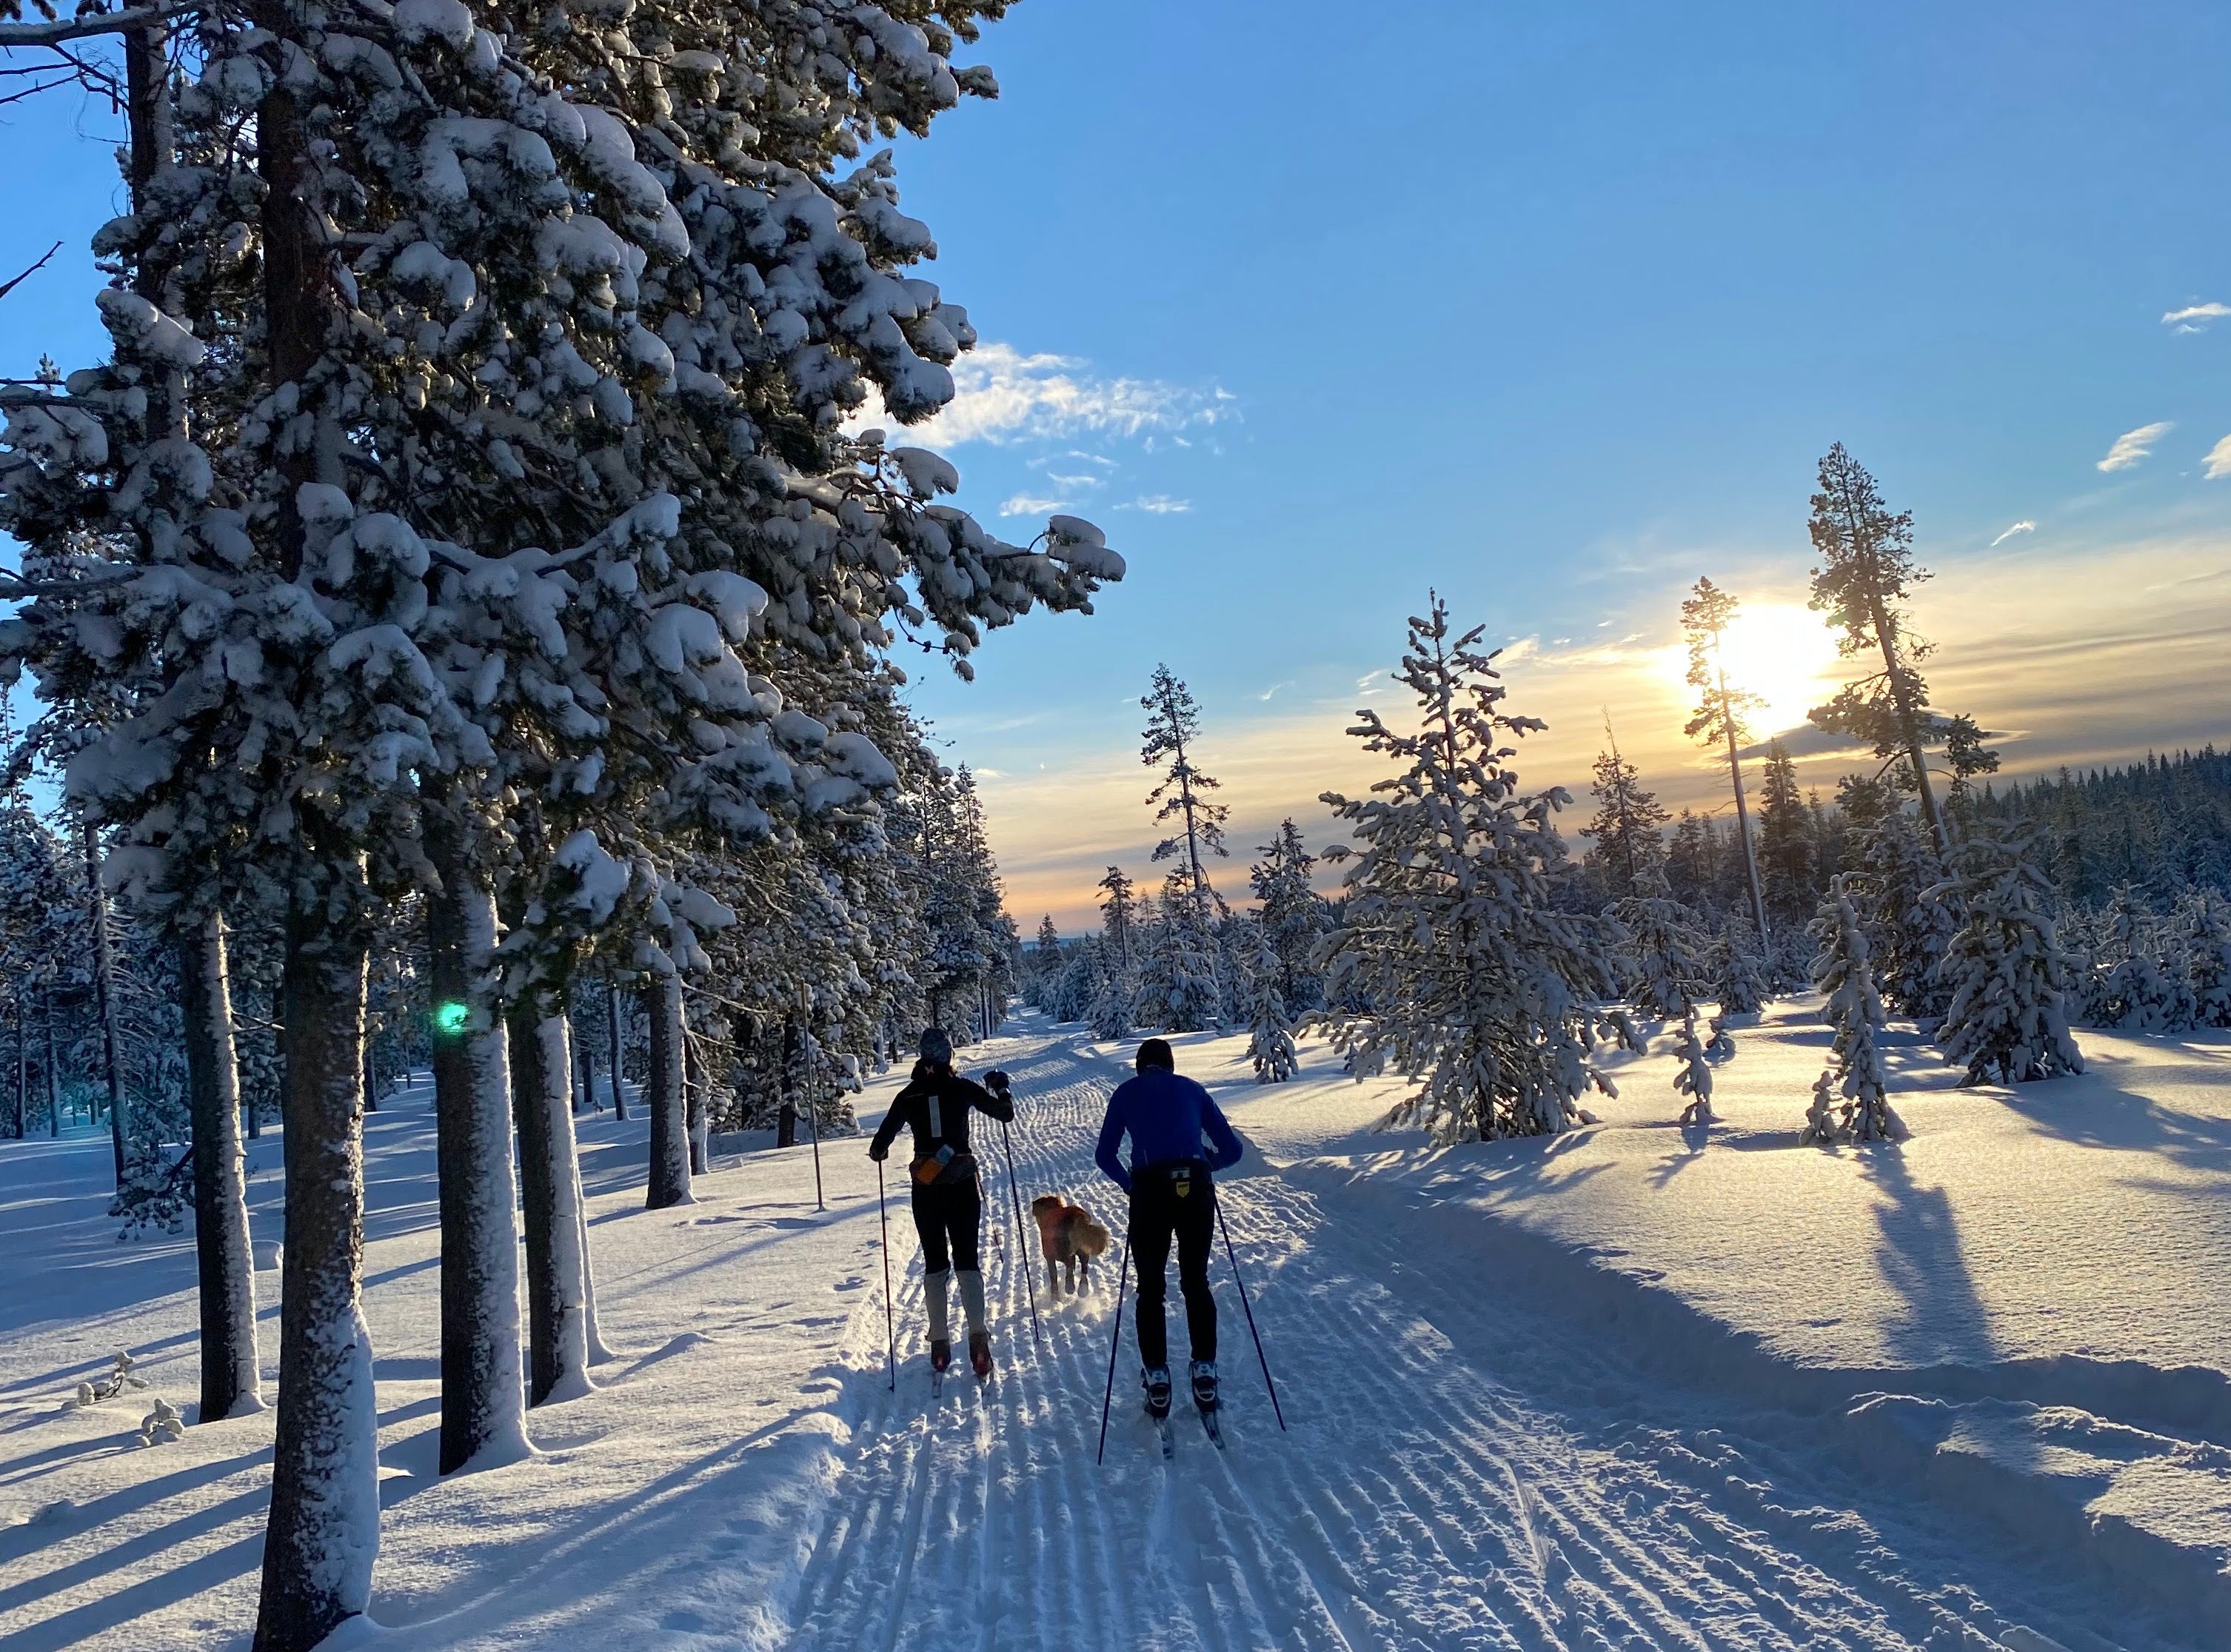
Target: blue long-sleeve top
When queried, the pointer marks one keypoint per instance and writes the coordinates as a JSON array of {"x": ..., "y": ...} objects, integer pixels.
[{"x": 1167, "y": 1117}]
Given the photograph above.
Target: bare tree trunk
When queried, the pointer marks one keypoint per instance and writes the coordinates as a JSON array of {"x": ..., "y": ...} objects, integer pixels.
[
  {"x": 22, "y": 1071},
  {"x": 577, "y": 1067},
  {"x": 612, "y": 1003},
  {"x": 104, "y": 978},
  {"x": 700, "y": 1104},
  {"x": 556, "y": 1263},
  {"x": 324, "y": 1530},
  {"x": 662, "y": 1095},
  {"x": 232, "y": 1380},
  {"x": 585, "y": 1052},
  {"x": 53, "y": 1083},
  {"x": 1742, "y": 809},
  {"x": 483, "y": 1398},
  {"x": 786, "y": 1118}
]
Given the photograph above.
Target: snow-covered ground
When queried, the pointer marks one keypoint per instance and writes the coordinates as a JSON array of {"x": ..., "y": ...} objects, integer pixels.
[{"x": 1591, "y": 1392}]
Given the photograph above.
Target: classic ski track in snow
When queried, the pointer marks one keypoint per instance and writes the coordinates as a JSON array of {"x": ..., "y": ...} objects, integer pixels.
[{"x": 1459, "y": 1472}]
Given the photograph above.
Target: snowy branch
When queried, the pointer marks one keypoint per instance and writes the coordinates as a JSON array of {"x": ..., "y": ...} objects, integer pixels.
[{"x": 15, "y": 34}]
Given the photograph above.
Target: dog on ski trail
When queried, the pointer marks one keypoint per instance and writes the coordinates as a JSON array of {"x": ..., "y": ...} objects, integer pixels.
[{"x": 1071, "y": 1239}]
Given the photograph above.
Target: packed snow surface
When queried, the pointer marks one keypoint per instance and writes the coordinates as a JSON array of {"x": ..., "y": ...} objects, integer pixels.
[{"x": 1633, "y": 1387}]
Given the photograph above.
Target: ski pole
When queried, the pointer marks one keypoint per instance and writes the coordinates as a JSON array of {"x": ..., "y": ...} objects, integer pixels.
[
  {"x": 891, "y": 1324},
  {"x": 1234, "y": 1256},
  {"x": 1122, "y": 1279},
  {"x": 1023, "y": 1249}
]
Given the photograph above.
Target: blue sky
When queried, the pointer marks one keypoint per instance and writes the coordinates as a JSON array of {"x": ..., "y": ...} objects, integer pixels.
[{"x": 1554, "y": 308}]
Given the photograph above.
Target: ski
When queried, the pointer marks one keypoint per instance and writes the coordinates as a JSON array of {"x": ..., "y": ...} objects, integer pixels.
[
  {"x": 1211, "y": 1422},
  {"x": 1169, "y": 1438}
]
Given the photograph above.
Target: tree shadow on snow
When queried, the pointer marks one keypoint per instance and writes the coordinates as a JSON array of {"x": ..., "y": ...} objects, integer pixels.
[{"x": 1920, "y": 1256}]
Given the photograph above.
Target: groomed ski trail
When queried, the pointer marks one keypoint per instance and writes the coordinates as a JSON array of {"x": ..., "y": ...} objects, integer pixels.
[{"x": 1459, "y": 1472}]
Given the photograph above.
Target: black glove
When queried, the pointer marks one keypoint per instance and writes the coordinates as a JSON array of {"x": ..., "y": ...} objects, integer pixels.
[
  {"x": 996, "y": 1082},
  {"x": 879, "y": 1151}
]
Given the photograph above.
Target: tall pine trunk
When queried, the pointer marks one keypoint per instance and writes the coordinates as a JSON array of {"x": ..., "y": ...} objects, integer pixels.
[
  {"x": 557, "y": 1257},
  {"x": 1742, "y": 814},
  {"x": 613, "y": 1028},
  {"x": 662, "y": 1096},
  {"x": 232, "y": 1381},
  {"x": 483, "y": 1399},
  {"x": 53, "y": 1083},
  {"x": 104, "y": 978},
  {"x": 323, "y": 1534}
]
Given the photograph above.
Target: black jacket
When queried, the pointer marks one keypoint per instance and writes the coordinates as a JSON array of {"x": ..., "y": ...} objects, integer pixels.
[{"x": 946, "y": 1123}]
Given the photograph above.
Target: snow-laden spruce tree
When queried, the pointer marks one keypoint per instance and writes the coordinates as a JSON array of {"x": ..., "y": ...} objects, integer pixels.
[
  {"x": 1904, "y": 899},
  {"x": 1843, "y": 973},
  {"x": 1293, "y": 914},
  {"x": 1694, "y": 1052},
  {"x": 1738, "y": 974},
  {"x": 2203, "y": 920},
  {"x": 1665, "y": 951},
  {"x": 2006, "y": 977},
  {"x": 1464, "y": 974},
  {"x": 1626, "y": 832},
  {"x": 2135, "y": 991},
  {"x": 1080, "y": 981},
  {"x": 1269, "y": 1026}
]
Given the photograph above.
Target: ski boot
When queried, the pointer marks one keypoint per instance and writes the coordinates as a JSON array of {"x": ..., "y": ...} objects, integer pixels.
[
  {"x": 1204, "y": 1384},
  {"x": 1156, "y": 1380},
  {"x": 1204, "y": 1400},
  {"x": 940, "y": 1356},
  {"x": 979, "y": 1354}
]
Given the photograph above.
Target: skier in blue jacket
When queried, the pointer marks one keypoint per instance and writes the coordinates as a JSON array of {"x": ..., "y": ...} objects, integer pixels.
[{"x": 1178, "y": 1137}]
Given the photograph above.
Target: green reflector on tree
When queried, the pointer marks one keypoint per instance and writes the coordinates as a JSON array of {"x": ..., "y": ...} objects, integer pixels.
[{"x": 450, "y": 1018}]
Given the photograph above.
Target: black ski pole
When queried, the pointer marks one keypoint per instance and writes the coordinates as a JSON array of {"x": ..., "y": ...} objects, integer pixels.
[
  {"x": 1234, "y": 1256},
  {"x": 1023, "y": 1250},
  {"x": 891, "y": 1323},
  {"x": 1122, "y": 1279}
]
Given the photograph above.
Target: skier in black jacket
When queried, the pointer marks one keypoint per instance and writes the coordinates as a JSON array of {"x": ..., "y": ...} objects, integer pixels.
[{"x": 948, "y": 1207}]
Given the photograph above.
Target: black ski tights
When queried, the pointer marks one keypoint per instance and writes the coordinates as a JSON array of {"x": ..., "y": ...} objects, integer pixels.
[
  {"x": 948, "y": 1215},
  {"x": 1159, "y": 1214}
]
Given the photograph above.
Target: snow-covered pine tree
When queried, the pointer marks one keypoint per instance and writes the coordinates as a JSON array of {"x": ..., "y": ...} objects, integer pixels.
[
  {"x": 1628, "y": 843},
  {"x": 1045, "y": 963},
  {"x": 1738, "y": 974},
  {"x": 1907, "y": 904},
  {"x": 2135, "y": 993},
  {"x": 2005, "y": 975},
  {"x": 1293, "y": 915},
  {"x": 1471, "y": 982},
  {"x": 1173, "y": 728},
  {"x": 2204, "y": 929},
  {"x": 1111, "y": 1006},
  {"x": 1694, "y": 1079},
  {"x": 1665, "y": 950},
  {"x": 1722, "y": 707},
  {"x": 1181, "y": 985},
  {"x": 1269, "y": 1026},
  {"x": 1117, "y": 914},
  {"x": 1843, "y": 973},
  {"x": 1786, "y": 861}
]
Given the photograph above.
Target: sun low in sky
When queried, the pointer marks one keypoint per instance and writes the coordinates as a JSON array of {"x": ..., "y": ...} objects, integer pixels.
[{"x": 1779, "y": 652}]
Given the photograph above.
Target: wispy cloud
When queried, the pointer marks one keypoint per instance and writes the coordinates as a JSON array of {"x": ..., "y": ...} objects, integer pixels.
[
  {"x": 1003, "y": 396},
  {"x": 2217, "y": 464},
  {"x": 1159, "y": 504},
  {"x": 1029, "y": 504},
  {"x": 1274, "y": 687},
  {"x": 2024, "y": 526},
  {"x": 2194, "y": 318},
  {"x": 2133, "y": 445}
]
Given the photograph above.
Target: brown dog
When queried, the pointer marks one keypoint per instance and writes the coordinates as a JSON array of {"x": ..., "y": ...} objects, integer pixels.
[{"x": 1071, "y": 1238}]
